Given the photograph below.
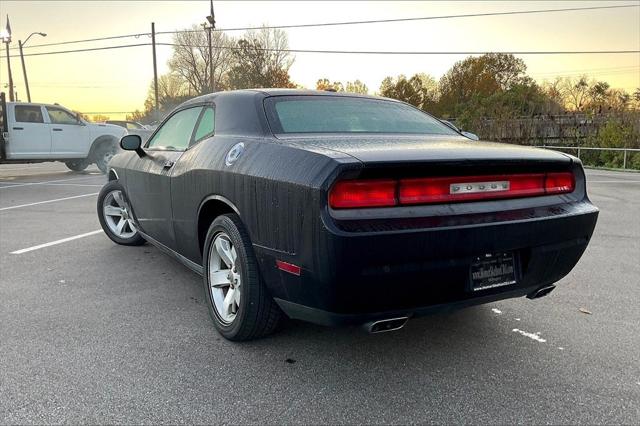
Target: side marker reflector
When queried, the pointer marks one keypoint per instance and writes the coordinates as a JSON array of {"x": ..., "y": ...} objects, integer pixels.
[{"x": 288, "y": 267}]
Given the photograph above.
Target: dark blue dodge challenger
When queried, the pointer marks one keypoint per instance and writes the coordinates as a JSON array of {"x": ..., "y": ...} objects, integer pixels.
[{"x": 343, "y": 209}]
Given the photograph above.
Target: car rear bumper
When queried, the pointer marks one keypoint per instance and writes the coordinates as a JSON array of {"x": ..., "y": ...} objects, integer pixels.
[
  {"x": 322, "y": 317},
  {"x": 370, "y": 271}
]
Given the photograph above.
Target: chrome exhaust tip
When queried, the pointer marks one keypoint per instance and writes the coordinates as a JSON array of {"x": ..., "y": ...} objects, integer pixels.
[
  {"x": 541, "y": 292},
  {"x": 385, "y": 325}
]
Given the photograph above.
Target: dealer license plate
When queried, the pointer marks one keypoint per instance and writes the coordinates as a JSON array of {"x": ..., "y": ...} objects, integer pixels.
[{"x": 493, "y": 270}]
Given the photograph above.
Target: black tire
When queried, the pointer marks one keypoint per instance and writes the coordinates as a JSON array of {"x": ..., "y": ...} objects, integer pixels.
[
  {"x": 257, "y": 313},
  {"x": 103, "y": 154},
  {"x": 77, "y": 165},
  {"x": 133, "y": 240}
]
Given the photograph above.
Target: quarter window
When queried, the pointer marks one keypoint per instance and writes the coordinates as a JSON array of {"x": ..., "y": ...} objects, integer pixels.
[
  {"x": 176, "y": 132},
  {"x": 60, "y": 116},
  {"x": 206, "y": 126},
  {"x": 29, "y": 114}
]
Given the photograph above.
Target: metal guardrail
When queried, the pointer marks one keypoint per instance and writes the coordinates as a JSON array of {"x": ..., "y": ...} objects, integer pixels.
[{"x": 586, "y": 148}]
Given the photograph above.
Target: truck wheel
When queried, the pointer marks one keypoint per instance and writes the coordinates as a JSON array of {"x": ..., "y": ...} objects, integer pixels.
[
  {"x": 115, "y": 216},
  {"x": 103, "y": 154},
  {"x": 77, "y": 165},
  {"x": 238, "y": 300}
]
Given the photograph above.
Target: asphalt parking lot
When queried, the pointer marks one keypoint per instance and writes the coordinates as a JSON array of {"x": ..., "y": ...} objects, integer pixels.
[{"x": 92, "y": 332}]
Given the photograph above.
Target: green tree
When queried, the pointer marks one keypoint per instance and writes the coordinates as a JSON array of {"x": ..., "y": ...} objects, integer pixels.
[
  {"x": 479, "y": 76},
  {"x": 325, "y": 84},
  {"x": 421, "y": 90},
  {"x": 356, "y": 87}
]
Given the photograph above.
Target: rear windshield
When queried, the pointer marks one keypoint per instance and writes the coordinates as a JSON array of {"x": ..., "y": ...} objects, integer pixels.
[{"x": 338, "y": 114}]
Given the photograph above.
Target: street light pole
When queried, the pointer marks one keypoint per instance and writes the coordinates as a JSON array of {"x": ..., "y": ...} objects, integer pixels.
[
  {"x": 24, "y": 68},
  {"x": 9, "y": 69},
  {"x": 212, "y": 26}
]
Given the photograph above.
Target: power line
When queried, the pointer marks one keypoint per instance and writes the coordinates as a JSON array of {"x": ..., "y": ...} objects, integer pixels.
[
  {"x": 424, "y": 18},
  {"x": 620, "y": 68},
  {"x": 60, "y": 43},
  {"x": 329, "y": 24},
  {"x": 351, "y": 52},
  {"x": 90, "y": 49},
  {"x": 432, "y": 52}
]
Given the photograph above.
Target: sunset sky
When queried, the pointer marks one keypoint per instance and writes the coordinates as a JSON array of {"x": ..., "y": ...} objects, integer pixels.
[{"x": 117, "y": 80}]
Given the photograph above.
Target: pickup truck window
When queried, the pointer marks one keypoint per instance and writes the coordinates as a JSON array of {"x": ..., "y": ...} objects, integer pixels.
[
  {"x": 29, "y": 114},
  {"x": 133, "y": 126},
  {"x": 60, "y": 116}
]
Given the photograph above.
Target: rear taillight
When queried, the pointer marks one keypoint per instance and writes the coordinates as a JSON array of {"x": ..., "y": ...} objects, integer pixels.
[
  {"x": 363, "y": 193},
  {"x": 559, "y": 183},
  {"x": 439, "y": 190}
]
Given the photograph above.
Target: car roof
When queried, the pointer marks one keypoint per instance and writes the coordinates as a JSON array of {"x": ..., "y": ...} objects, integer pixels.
[
  {"x": 38, "y": 104},
  {"x": 239, "y": 112},
  {"x": 268, "y": 92}
]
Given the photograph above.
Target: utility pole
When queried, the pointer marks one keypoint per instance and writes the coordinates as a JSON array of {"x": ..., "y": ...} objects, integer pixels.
[
  {"x": 211, "y": 19},
  {"x": 24, "y": 72},
  {"x": 155, "y": 69}
]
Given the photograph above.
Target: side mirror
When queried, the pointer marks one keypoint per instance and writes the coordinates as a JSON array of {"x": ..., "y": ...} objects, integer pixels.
[
  {"x": 132, "y": 143},
  {"x": 470, "y": 135}
]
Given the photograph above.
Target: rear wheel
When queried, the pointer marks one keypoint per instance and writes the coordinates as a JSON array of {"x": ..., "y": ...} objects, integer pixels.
[
  {"x": 239, "y": 303},
  {"x": 77, "y": 165},
  {"x": 103, "y": 154},
  {"x": 116, "y": 217}
]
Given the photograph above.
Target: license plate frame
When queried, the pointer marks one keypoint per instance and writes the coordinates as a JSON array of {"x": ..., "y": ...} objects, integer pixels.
[{"x": 492, "y": 271}]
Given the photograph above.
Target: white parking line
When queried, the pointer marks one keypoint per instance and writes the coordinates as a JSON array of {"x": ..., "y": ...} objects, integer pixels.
[
  {"x": 47, "y": 201},
  {"x": 53, "y": 243},
  {"x": 19, "y": 184}
]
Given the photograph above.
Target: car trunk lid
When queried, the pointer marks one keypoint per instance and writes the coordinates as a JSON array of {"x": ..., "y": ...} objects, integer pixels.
[{"x": 398, "y": 149}]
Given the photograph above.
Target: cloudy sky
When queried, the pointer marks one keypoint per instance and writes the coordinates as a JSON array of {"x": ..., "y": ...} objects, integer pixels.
[{"x": 118, "y": 80}]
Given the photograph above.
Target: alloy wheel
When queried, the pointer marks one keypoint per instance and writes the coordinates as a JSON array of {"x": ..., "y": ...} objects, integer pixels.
[
  {"x": 117, "y": 215},
  {"x": 224, "y": 278}
]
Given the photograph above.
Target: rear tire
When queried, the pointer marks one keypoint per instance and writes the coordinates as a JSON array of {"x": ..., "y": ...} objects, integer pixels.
[
  {"x": 238, "y": 300},
  {"x": 116, "y": 217},
  {"x": 77, "y": 165},
  {"x": 103, "y": 154}
]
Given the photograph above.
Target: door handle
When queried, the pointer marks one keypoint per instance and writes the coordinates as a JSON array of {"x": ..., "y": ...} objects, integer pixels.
[
  {"x": 18, "y": 128},
  {"x": 57, "y": 130},
  {"x": 168, "y": 164}
]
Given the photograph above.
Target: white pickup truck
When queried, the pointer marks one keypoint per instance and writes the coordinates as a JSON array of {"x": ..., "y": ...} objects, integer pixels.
[{"x": 33, "y": 133}]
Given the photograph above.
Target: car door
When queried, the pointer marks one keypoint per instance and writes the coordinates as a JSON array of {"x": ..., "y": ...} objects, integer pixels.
[
  {"x": 183, "y": 212},
  {"x": 29, "y": 134},
  {"x": 148, "y": 178},
  {"x": 69, "y": 136}
]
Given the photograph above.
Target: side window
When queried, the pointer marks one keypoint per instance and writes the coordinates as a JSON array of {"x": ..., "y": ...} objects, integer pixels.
[
  {"x": 206, "y": 126},
  {"x": 29, "y": 114},
  {"x": 60, "y": 116},
  {"x": 176, "y": 132}
]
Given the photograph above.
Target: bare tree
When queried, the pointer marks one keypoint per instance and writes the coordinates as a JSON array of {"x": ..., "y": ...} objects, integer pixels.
[
  {"x": 276, "y": 43},
  {"x": 261, "y": 59},
  {"x": 576, "y": 92},
  {"x": 190, "y": 59}
]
